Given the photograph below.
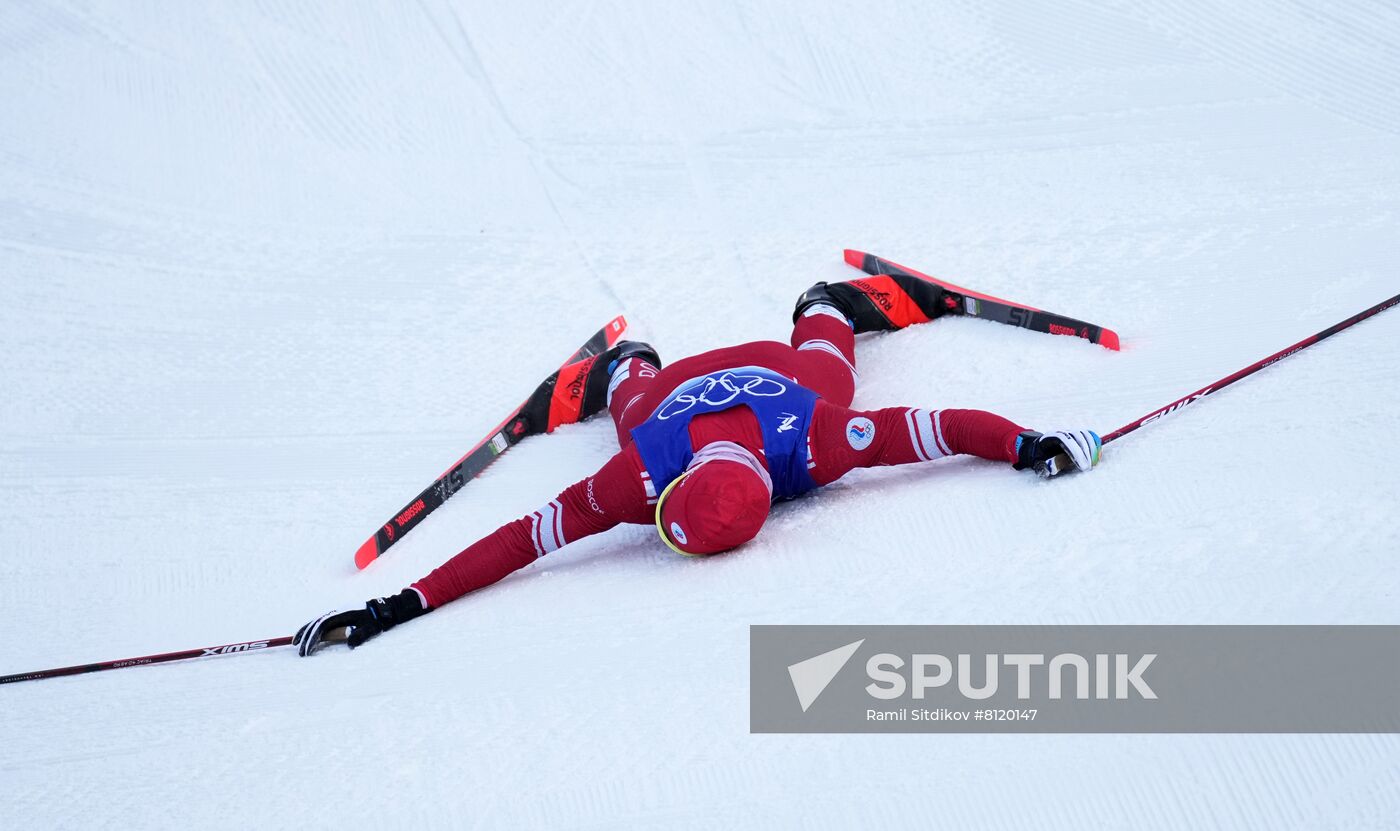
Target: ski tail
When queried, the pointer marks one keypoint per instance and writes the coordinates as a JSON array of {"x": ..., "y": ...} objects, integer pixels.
[
  {"x": 564, "y": 397},
  {"x": 957, "y": 300}
]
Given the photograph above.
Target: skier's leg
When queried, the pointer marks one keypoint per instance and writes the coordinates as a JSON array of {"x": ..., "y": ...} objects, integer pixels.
[
  {"x": 822, "y": 335},
  {"x": 632, "y": 375}
]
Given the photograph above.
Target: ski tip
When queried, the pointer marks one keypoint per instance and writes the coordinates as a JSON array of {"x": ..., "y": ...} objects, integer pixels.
[
  {"x": 615, "y": 329},
  {"x": 854, "y": 257},
  {"x": 367, "y": 553},
  {"x": 1109, "y": 339}
]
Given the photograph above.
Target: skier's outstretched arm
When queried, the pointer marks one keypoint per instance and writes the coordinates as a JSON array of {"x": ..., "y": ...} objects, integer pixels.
[
  {"x": 845, "y": 439},
  {"x": 613, "y": 495}
]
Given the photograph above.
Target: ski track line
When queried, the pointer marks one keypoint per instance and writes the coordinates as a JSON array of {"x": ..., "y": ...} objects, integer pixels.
[
  {"x": 296, "y": 116},
  {"x": 1113, "y": 38},
  {"x": 1319, "y": 76},
  {"x": 475, "y": 69},
  {"x": 319, "y": 95}
]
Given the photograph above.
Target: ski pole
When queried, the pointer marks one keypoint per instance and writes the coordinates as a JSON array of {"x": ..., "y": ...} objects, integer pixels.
[
  {"x": 202, "y": 652},
  {"x": 1062, "y": 460}
]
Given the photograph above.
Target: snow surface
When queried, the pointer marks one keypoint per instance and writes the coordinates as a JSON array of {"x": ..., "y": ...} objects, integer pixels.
[{"x": 267, "y": 268}]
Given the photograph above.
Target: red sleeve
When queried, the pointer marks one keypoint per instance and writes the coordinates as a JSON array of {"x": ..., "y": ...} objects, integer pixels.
[
  {"x": 843, "y": 439},
  {"x": 613, "y": 495}
]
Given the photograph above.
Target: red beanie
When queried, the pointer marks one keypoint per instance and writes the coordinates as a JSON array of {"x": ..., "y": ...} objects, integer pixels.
[{"x": 714, "y": 507}]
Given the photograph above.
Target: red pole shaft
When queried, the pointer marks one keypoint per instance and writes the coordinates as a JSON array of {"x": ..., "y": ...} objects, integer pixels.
[
  {"x": 203, "y": 652},
  {"x": 1250, "y": 370}
]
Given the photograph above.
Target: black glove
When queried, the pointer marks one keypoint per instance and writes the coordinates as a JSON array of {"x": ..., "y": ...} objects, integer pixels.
[
  {"x": 358, "y": 625},
  {"x": 1054, "y": 453}
]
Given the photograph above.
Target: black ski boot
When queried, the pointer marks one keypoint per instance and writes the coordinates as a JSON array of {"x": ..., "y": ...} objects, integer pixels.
[
  {"x": 881, "y": 303},
  {"x": 580, "y": 389},
  {"x": 625, "y": 349}
]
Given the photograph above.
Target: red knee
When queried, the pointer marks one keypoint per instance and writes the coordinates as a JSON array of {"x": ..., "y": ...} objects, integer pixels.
[
  {"x": 828, "y": 345},
  {"x": 626, "y": 393}
]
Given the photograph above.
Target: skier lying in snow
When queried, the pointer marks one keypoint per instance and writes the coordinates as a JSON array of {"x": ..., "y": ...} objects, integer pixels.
[{"x": 710, "y": 442}]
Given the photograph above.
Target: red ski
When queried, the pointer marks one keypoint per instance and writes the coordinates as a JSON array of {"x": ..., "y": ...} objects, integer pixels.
[
  {"x": 890, "y": 279},
  {"x": 562, "y": 398}
]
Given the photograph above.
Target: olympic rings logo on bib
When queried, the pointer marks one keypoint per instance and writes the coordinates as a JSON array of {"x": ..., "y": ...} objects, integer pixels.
[{"x": 719, "y": 391}]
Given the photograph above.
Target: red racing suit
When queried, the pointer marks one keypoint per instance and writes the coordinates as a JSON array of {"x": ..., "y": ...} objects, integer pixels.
[{"x": 821, "y": 358}]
